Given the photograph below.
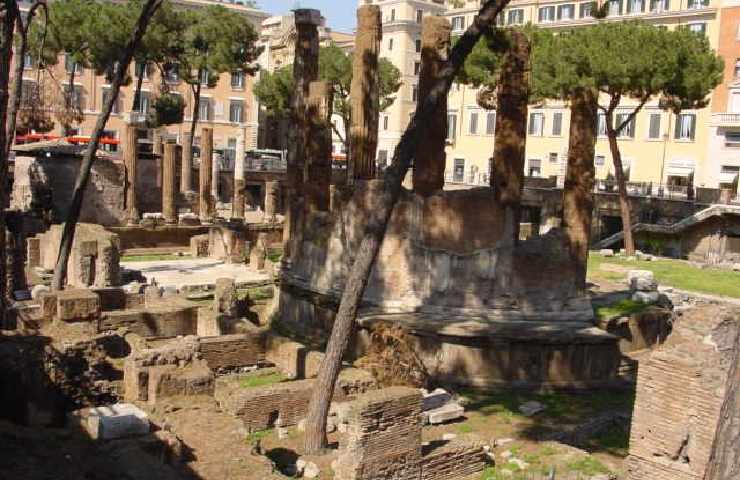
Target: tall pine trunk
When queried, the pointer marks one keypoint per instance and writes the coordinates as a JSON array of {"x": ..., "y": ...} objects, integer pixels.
[
  {"x": 137, "y": 92},
  {"x": 65, "y": 247},
  {"x": 6, "y": 57},
  {"x": 624, "y": 202},
  {"x": 196, "y": 109},
  {"x": 375, "y": 228}
]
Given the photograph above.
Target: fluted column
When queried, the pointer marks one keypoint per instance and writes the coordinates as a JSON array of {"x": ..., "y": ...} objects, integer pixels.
[
  {"x": 237, "y": 203},
  {"x": 130, "y": 160},
  {"x": 205, "y": 200},
  {"x": 186, "y": 167},
  {"x": 319, "y": 146},
  {"x": 364, "y": 93}
]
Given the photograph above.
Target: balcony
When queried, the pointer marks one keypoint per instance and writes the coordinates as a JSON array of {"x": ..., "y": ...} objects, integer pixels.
[{"x": 725, "y": 120}]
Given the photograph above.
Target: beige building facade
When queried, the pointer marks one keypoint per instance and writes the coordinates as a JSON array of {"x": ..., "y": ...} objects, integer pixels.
[
  {"x": 660, "y": 147},
  {"x": 229, "y": 107}
]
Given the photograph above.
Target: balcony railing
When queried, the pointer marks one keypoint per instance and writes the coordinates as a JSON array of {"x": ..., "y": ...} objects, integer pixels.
[
  {"x": 726, "y": 119},
  {"x": 264, "y": 164}
]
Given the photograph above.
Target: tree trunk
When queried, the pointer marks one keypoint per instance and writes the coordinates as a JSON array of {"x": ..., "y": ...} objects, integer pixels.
[
  {"x": 578, "y": 193},
  {"x": 6, "y": 55},
  {"x": 375, "y": 230},
  {"x": 65, "y": 247},
  {"x": 624, "y": 202},
  {"x": 196, "y": 109},
  {"x": 724, "y": 462}
]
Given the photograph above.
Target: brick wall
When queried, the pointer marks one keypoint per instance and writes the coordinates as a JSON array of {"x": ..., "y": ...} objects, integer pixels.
[
  {"x": 454, "y": 460},
  {"x": 383, "y": 437},
  {"x": 229, "y": 351}
]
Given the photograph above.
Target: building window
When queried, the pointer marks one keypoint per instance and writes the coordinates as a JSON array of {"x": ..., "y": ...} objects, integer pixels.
[
  {"x": 451, "y": 127},
  {"x": 473, "y": 123},
  {"x": 417, "y": 68},
  {"x": 205, "y": 77},
  {"x": 685, "y": 126},
  {"x": 629, "y": 130},
  {"x": 70, "y": 64},
  {"x": 557, "y": 124},
  {"x": 732, "y": 139},
  {"x": 142, "y": 70},
  {"x": 417, "y": 45},
  {"x": 414, "y": 93},
  {"x": 419, "y": 16},
  {"x": 236, "y": 111},
  {"x": 393, "y": 14},
  {"x": 534, "y": 169},
  {"x": 600, "y": 160},
  {"x": 737, "y": 68},
  {"x": 106, "y": 96},
  {"x": 553, "y": 157},
  {"x": 700, "y": 28},
  {"x": 695, "y": 4},
  {"x": 536, "y": 124},
  {"x": 382, "y": 159},
  {"x": 586, "y": 10},
  {"x": 654, "y": 131},
  {"x": 385, "y": 122},
  {"x": 657, "y": 6},
  {"x": 237, "y": 80},
  {"x": 171, "y": 73},
  {"x": 635, "y": 6},
  {"x": 601, "y": 124},
  {"x": 615, "y": 7},
  {"x": 491, "y": 123},
  {"x": 458, "y": 24},
  {"x": 547, "y": 14},
  {"x": 28, "y": 92},
  {"x": 458, "y": 172},
  {"x": 566, "y": 12},
  {"x": 75, "y": 96},
  {"x": 28, "y": 61},
  {"x": 390, "y": 44},
  {"x": 109, "y": 146},
  {"x": 205, "y": 110},
  {"x": 142, "y": 103},
  {"x": 501, "y": 19},
  {"x": 515, "y": 17}
]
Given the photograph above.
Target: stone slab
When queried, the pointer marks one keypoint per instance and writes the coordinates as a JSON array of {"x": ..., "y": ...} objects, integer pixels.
[{"x": 110, "y": 422}]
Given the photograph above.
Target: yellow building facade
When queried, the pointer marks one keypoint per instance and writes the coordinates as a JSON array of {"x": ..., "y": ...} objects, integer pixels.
[{"x": 661, "y": 147}]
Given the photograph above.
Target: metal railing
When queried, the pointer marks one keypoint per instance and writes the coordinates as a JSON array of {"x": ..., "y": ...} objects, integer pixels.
[{"x": 265, "y": 164}]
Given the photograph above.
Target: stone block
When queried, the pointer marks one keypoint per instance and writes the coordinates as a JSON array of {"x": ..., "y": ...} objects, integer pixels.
[
  {"x": 436, "y": 399},
  {"x": 88, "y": 248},
  {"x": 37, "y": 290},
  {"x": 209, "y": 324},
  {"x": 646, "y": 297},
  {"x": 447, "y": 413},
  {"x": 606, "y": 252},
  {"x": 77, "y": 305},
  {"x": 642, "y": 281},
  {"x": 313, "y": 363},
  {"x": 33, "y": 252},
  {"x": 110, "y": 422}
]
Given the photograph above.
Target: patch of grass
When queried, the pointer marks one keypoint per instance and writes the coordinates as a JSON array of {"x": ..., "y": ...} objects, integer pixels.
[
  {"x": 259, "y": 293},
  {"x": 154, "y": 258},
  {"x": 614, "y": 440},
  {"x": 253, "y": 381},
  {"x": 464, "y": 428},
  {"x": 675, "y": 273},
  {"x": 258, "y": 435},
  {"x": 588, "y": 465},
  {"x": 274, "y": 254},
  {"x": 622, "y": 308}
]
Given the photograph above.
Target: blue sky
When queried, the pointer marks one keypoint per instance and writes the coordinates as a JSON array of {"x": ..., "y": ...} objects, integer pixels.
[{"x": 340, "y": 14}]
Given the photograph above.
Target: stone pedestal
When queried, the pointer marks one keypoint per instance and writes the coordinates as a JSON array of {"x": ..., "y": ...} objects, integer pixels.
[
  {"x": 205, "y": 202},
  {"x": 169, "y": 211},
  {"x": 430, "y": 159},
  {"x": 364, "y": 95}
]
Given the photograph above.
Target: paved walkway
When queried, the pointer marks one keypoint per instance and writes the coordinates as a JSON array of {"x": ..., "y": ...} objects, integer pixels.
[{"x": 196, "y": 272}]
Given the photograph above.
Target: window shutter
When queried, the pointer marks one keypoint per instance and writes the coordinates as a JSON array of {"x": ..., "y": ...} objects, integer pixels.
[
  {"x": 491, "y": 123},
  {"x": 557, "y": 123}
]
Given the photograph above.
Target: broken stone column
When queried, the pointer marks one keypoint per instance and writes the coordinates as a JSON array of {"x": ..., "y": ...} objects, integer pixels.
[
  {"x": 430, "y": 159},
  {"x": 225, "y": 300},
  {"x": 205, "y": 201},
  {"x": 186, "y": 168},
  {"x": 130, "y": 159},
  {"x": 169, "y": 164},
  {"x": 305, "y": 71},
  {"x": 272, "y": 201},
  {"x": 364, "y": 94},
  {"x": 578, "y": 199},
  {"x": 319, "y": 146},
  {"x": 507, "y": 175},
  {"x": 258, "y": 254},
  {"x": 157, "y": 142},
  {"x": 237, "y": 203}
]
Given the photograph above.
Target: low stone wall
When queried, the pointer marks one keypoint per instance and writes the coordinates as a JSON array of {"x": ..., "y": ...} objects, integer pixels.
[
  {"x": 680, "y": 391},
  {"x": 164, "y": 319},
  {"x": 454, "y": 460},
  {"x": 228, "y": 351}
]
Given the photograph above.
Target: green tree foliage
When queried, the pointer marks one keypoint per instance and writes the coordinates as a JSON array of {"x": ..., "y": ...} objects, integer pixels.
[
  {"x": 215, "y": 41},
  {"x": 274, "y": 90}
]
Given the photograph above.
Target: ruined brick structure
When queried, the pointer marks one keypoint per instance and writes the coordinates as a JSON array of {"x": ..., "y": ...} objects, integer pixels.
[{"x": 680, "y": 390}]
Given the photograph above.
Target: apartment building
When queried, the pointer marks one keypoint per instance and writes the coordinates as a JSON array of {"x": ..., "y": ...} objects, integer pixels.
[
  {"x": 229, "y": 107},
  {"x": 699, "y": 147}
]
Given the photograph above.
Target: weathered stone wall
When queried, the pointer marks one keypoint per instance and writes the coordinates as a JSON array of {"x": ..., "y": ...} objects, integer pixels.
[
  {"x": 454, "y": 460},
  {"x": 168, "y": 318},
  {"x": 680, "y": 390},
  {"x": 228, "y": 351},
  {"x": 383, "y": 437}
]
